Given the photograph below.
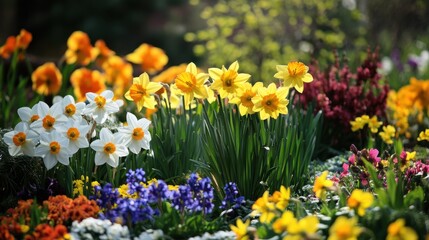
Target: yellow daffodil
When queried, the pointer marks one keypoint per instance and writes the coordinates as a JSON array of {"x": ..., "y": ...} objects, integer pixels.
[
  {"x": 141, "y": 92},
  {"x": 374, "y": 124},
  {"x": 151, "y": 59},
  {"x": 321, "y": 184},
  {"x": 240, "y": 229},
  {"x": 265, "y": 208},
  {"x": 244, "y": 97},
  {"x": 190, "y": 84},
  {"x": 281, "y": 198},
  {"x": 387, "y": 134},
  {"x": 270, "y": 102},
  {"x": 305, "y": 226},
  {"x": 424, "y": 135},
  {"x": 295, "y": 74},
  {"x": 359, "y": 122},
  {"x": 360, "y": 201},
  {"x": 344, "y": 229},
  {"x": 228, "y": 81},
  {"x": 398, "y": 231},
  {"x": 281, "y": 224}
]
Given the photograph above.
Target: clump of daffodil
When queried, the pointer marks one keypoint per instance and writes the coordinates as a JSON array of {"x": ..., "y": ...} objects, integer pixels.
[
  {"x": 281, "y": 198},
  {"x": 360, "y": 201},
  {"x": 321, "y": 184},
  {"x": 271, "y": 101},
  {"x": 244, "y": 97},
  {"x": 387, "y": 134},
  {"x": 423, "y": 136},
  {"x": 397, "y": 230},
  {"x": 294, "y": 75},
  {"x": 264, "y": 207},
  {"x": 191, "y": 84},
  {"x": 240, "y": 229},
  {"x": 304, "y": 228},
  {"x": 228, "y": 81},
  {"x": 359, "y": 122},
  {"x": 344, "y": 229},
  {"x": 141, "y": 92}
]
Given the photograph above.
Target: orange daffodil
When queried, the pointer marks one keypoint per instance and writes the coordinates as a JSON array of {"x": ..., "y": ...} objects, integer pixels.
[
  {"x": 141, "y": 92},
  {"x": 47, "y": 79},
  {"x": 80, "y": 50},
  {"x": 271, "y": 101},
  {"x": 294, "y": 75},
  {"x": 84, "y": 80},
  {"x": 151, "y": 59},
  {"x": 228, "y": 81},
  {"x": 191, "y": 84},
  {"x": 19, "y": 43}
]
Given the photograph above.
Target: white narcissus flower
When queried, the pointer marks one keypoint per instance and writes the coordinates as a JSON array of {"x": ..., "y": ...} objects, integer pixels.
[
  {"x": 22, "y": 140},
  {"x": 70, "y": 108},
  {"x": 100, "y": 106},
  {"x": 29, "y": 115},
  {"x": 49, "y": 118},
  {"x": 53, "y": 149},
  {"x": 109, "y": 148},
  {"x": 136, "y": 135},
  {"x": 76, "y": 131}
]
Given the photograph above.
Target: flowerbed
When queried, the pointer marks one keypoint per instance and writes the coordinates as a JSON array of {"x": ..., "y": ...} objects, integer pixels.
[{"x": 212, "y": 154}]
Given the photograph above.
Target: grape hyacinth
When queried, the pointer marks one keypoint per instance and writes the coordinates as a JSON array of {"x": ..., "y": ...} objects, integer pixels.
[{"x": 231, "y": 200}]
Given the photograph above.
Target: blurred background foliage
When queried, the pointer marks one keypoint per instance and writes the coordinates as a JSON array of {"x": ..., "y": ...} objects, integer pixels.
[{"x": 258, "y": 33}]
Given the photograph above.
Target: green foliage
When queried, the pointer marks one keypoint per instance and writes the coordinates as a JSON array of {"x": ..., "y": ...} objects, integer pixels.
[
  {"x": 264, "y": 33},
  {"x": 258, "y": 154}
]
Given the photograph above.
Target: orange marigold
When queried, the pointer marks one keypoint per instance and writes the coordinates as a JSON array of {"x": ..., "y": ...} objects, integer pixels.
[
  {"x": 47, "y": 79},
  {"x": 152, "y": 59},
  {"x": 119, "y": 74},
  {"x": 85, "y": 80},
  {"x": 82, "y": 208},
  {"x": 58, "y": 208},
  {"x": 80, "y": 49}
]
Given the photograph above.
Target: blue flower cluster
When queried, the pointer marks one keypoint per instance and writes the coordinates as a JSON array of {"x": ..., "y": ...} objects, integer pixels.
[
  {"x": 231, "y": 200},
  {"x": 194, "y": 196}
]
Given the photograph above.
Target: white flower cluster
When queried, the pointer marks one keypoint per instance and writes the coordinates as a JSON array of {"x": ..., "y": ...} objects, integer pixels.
[
  {"x": 92, "y": 228},
  {"x": 151, "y": 234},
  {"x": 216, "y": 235},
  {"x": 56, "y": 133}
]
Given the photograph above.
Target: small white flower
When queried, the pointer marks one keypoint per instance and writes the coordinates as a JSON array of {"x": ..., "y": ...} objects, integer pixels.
[
  {"x": 49, "y": 118},
  {"x": 109, "y": 148},
  {"x": 100, "y": 106},
  {"x": 53, "y": 149},
  {"x": 29, "y": 115},
  {"x": 136, "y": 135},
  {"x": 71, "y": 109},
  {"x": 76, "y": 131},
  {"x": 22, "y": 140}
]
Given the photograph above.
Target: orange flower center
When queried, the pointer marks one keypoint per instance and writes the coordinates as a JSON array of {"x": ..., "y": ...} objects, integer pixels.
[
  {"x": 228, "y": 78},
  {"x": 54, "y": 147},
  {"x": 270, "y": 102},
  {"x": 34, "y": 118},
  {"x": 344, "y": 232},
  {"x": 109, "y": 148},
  {"x": 138, "y": 134},
  {"x": 186, "y": 82},
  {"x": 100, "y": 101},
  {"x": 246, "y": 99},
  {"x": 73, "y": 133},
  {"x": 48, "y": 122},
  {"x": 353, "y": 202},
  {"x": 137, "y": 92},
  {"x": 296, "y": 69},
  {"x": 70, "y": 110},
  {"x": 19, "y": 138}
]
